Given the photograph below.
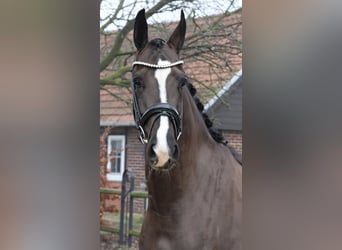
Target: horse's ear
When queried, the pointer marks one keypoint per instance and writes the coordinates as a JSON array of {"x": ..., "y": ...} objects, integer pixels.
[
  {"x": 140, "y": 33},
  {"x": 177, "y": 38}
]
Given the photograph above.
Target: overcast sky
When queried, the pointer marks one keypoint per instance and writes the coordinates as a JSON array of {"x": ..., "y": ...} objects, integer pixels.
[{"x": 208, "y": 8}]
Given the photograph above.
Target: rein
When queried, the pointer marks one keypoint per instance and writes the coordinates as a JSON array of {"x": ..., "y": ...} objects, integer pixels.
[{"x": 159, "y": 109}]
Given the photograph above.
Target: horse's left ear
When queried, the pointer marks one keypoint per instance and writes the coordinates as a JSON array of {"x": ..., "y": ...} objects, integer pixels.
[{"x": 177, "y": 38}]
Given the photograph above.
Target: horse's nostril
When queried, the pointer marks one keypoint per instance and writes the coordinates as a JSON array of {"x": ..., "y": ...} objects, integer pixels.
[{"x": 152, "y": 155}]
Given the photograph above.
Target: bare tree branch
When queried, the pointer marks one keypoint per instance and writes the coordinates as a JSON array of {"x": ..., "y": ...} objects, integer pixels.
[
  {"x": 112, "y": 18},
  {"x": 123, "y": 33}
]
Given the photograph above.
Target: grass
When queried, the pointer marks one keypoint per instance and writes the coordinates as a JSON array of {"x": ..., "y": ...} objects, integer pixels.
[{"x": 114, "y": 218}]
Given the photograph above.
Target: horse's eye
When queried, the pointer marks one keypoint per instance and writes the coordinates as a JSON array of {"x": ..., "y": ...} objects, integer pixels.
[
  {"x": 183, "y": 82},
  {"x": 138, "y": 83}
]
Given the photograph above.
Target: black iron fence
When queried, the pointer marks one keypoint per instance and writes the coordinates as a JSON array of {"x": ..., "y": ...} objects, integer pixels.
[{"x": 125, "y": 236}]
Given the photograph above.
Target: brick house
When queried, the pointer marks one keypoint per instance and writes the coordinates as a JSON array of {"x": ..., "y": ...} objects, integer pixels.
[{"x": 124, "y": 149}]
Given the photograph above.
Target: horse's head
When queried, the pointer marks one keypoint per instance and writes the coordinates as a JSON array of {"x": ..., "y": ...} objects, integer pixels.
[{"x": 157, "y": 81}]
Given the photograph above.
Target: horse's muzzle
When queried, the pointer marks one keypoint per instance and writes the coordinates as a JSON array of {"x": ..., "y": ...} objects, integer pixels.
[{"x": 160, "y": 159}]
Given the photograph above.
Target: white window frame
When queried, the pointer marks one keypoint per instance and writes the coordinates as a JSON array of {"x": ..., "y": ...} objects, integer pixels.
[{"x": 116, "y": 176}]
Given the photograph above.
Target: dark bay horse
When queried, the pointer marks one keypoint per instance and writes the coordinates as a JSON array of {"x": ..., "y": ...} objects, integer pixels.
[{"x": 194, "y": 182}]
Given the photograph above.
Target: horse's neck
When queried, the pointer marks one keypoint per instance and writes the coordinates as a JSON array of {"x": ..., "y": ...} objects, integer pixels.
[
  {"x": 195, "y": 132},
  {"x": 166, "y": 189}
]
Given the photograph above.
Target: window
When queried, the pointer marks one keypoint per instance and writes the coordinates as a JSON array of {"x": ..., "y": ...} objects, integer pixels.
[{"x": 116, "y": 157}]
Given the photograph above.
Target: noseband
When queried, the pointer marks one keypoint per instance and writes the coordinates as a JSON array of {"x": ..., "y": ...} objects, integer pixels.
[{"x": 158, "y": 109}]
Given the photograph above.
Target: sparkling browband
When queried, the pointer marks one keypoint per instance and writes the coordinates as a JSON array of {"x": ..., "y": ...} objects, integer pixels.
[{"x": 157, "y": 66}]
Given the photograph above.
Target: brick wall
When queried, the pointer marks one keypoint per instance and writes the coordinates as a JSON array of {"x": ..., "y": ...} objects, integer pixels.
[
  {"x": 235, "y": 139},
  {"x": 135, "y": 160}
]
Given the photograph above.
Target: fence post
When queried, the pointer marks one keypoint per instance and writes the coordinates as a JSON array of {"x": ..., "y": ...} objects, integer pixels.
[
  {"x": 130, "y": 222},
  {"x": 122, "y": 207}
]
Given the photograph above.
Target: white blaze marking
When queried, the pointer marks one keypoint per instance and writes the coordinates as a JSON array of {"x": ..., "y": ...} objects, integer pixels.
[{"x": 161, "y": 148}]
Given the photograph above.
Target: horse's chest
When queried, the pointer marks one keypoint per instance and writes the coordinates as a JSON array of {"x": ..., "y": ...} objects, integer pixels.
[
  {"x": 196, "y": 227},
  {"x": 204, "y": 218}
]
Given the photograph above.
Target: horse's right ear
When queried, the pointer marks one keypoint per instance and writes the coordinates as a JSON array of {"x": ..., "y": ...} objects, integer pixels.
[{"x": 140, "y": 30}]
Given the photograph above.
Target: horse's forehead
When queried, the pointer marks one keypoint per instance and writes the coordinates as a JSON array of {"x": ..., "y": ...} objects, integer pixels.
[{"x": 152, "y": 53}]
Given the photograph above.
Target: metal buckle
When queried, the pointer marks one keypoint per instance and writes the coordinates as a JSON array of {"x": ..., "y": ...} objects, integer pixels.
[{"x": 142, "y": 136}]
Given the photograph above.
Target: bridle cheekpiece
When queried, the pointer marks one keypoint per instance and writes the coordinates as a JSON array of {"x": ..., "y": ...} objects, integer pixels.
[{"x": 158, "y": 109}]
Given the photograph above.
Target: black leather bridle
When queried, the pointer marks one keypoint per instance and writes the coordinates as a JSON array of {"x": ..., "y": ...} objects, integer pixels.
[{"x": 158, "y": 109}]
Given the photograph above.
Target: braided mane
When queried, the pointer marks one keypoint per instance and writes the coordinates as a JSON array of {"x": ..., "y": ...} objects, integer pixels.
[{"x": 214, "y": 132}]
